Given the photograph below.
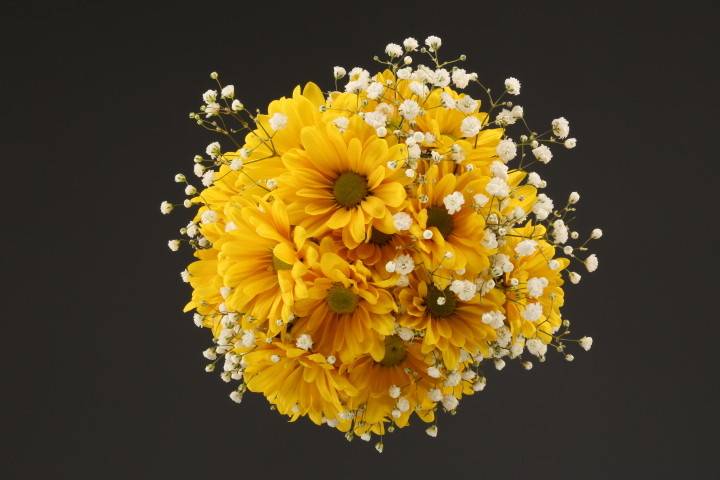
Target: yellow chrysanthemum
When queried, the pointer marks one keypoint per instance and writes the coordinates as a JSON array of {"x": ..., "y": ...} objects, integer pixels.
[
  {"x": 334, "y": 184},
  {"x": 297, "y": 382},
  {"x": 346, "y": 312},
  {"x": 450, "y": 325},
  {"x": 548, "y": 281}
]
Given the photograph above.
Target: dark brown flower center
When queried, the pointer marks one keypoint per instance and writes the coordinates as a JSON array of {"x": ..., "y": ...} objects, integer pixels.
[
  {"x": 379, "y": 238},
  {"x": 341, "y": 299},
  {"x": 350, "y": 189},
  {"x": 439, "y": 218},
  {"x": 448, "y": 305},
  {"x": 394, "y": 351}
]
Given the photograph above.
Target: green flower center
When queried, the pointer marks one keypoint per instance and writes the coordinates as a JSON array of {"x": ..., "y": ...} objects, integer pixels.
[
  {"x": 379, "y": 238},
  {"x": 280, "y": 265},
  {"x": 439, "y": 218},
  {"x": 394, "y": 351},
  {"x": 341, "y": 299},
  {"x": 350, "y": 189},
  {"x": 431, "y": 302}
]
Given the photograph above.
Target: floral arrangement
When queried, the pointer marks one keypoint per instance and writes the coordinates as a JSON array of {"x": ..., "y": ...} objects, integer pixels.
[{"x": 363, "y": 255}]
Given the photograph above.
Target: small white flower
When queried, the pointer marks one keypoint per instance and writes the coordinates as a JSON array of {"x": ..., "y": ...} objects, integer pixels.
[
  {"x": 198, "y": 170},
  {"x": 191, "y": 229},
  {"x": 435, "y": 394},
  {"x": 236, "y": 396},
  {"x": 543, "y": 206},
  {"x": 464, "y": 289},
  {"x": 180, "y": 178},
  {"x": 339, "y": 72},
  {"x": 375, "y": 90},
  {"x": 591, "y": 263},
  {"x": 341, "y": 123},
  {"x": 409, "y": 109},
  {"x": 208, "y": 177},
  {"x": 190, "y": 190},
  {"x": 440, "y": 301},
  {"x": 561, "y": 127},
  {"x": 166, "y": 207},
  {"x": 304, "y": 342},
  {"x": 489, "y": 239},
  {"x": 394, "y": 391},
  {"x": 390, "y": 266},
  {"x": 210, "y": 96},
  {"x": 479, "y": 386},
  {"x": 228, "y": 92},
  {"x": 568, "y": 250},
  {"x": 499, "y": 364},
  {"x": 532, "y": 312},
  {"x": 403, "y": 404},
  {"x": 570, "y": 143},
  {"x": 208, "y": 216},
  {"x": 534, "y": 179},
  {"x": 236, "y": 164},
  {"x": 407, "y": 60},
  {"x": 536, "y": 347},
  {"x": 278, "y": 121},
  {"x": 586, "y": 343},
  {"x": 237, "y": 106},
  {"x": 432, "y": 431},
  {"x": 574, "y": 277},
  {"x": 569, "y": 357},
  {"x": 499, "y": 170},
  {"x": 174, "y": 245},
  {"x": 497, "y": 187},
  {"x": 248, "y": 338},
  {"x": 393, "y": 50},
  {"x": 450, "y": 402},
  {"x": 405, "y": 334},
  {"x": 573, "y": 198},
  {"x": 433, "y": 43},
  {"x": 453, "y": 379},
  {"x": 402, "y": 221},
  {"x": 212, "y": 109},
  {"x": 506, "y": 150},
  {"x": 512, "y": 86},
  {"x": 404, "y": 73},
  {"x": 447, "y": 101},
  {"x": 185, "y": 275},
  {"x": 494, "y": 319},
  {"x": 331, "y": 359},
  {"x": 410, "y": 44},
  {"x": 213, "y": 149},
  {"x": 441, "y": 78},
  {"x": 467, "y": 104},
  {"x": 461, "y": 78},
  {"x": 560, "y": 232},
  {"x": 470, "y": 126},
  {"x": 596, "y": 233},
  {"x": 526, "y": 247},
  {"x": 517, "y": 111},
  {"x": 505, "y": 118},
  {"x": 542, "y": 153},
  {"x": 427, "y": 234},
  {"x": 480, "y": 199},
  {"x": 433, "y": 372},
  {"x": 404, "y": 264},
  {"x": 536, "y": 286},
  {"x": 553, "y": 264},
  {"x": 454, "y": 202}
]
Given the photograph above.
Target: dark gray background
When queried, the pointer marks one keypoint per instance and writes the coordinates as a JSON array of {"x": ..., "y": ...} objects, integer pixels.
[{"x": 103, "y": 374}]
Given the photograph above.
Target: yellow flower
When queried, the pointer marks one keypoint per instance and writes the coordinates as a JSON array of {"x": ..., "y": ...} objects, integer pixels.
[
  {"x": 297, "y": 382},
  {"x": 449, "y": 324},
  {"x": 260, "y": 260},
  {"x": 535, "y": 266},
  {"x": 346, "y": 312},
  {"x": 402, "y": 366},
  {"x": 334, "y": 184},
  {"x": 456, "y": 241}
]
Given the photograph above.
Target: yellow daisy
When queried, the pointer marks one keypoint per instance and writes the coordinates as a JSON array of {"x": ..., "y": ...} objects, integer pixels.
[
  {"x": 331, "y": 183},
  {"x": 449, "y": 325},
  {"x": 346, "y": 312}
]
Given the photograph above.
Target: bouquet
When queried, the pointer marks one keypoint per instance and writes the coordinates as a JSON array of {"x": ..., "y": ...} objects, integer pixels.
[{"x": 362, "y": 256}]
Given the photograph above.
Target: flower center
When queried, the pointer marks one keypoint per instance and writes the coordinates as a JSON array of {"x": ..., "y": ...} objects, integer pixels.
[
  {"x": 379, "y": 238},
  {"x": 341, "y": 299},
  {"x": 394, "y": 351},
  {"x": 350, "y": 189},
  {"x": 439, "y": 218},
  {"x": 280, "y": 265},
  {"x": 431, "y": 302}
]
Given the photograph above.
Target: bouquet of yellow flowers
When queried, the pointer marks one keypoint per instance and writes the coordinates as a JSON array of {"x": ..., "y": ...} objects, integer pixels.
[{"x": 362, "y": 254}]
